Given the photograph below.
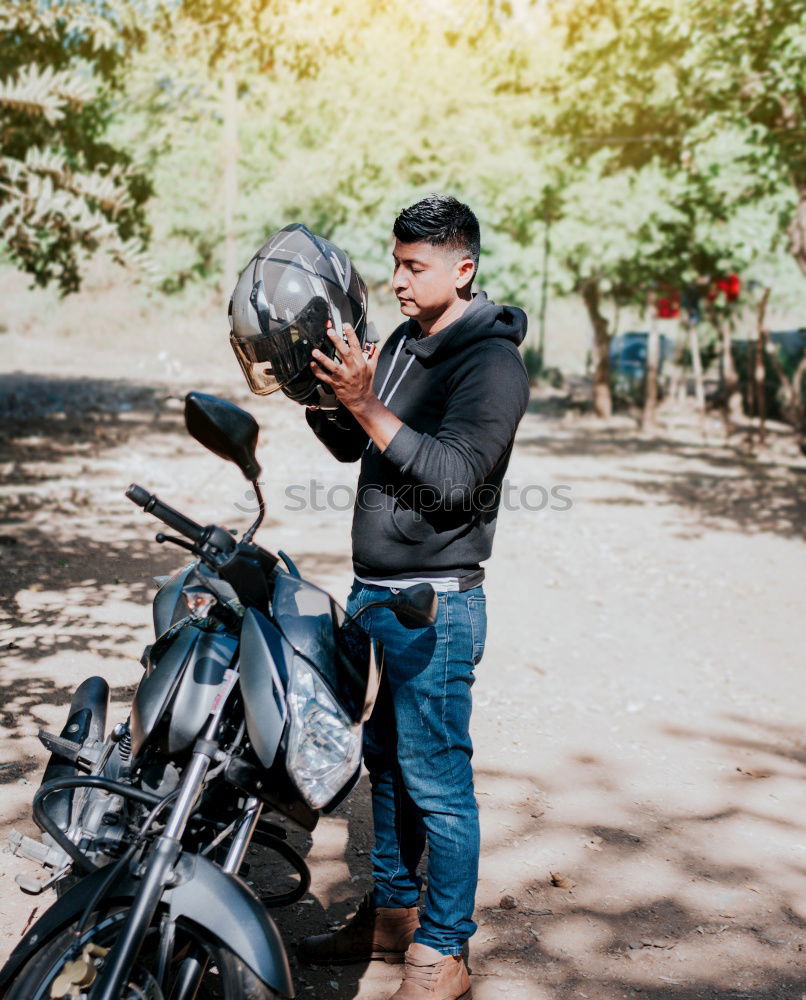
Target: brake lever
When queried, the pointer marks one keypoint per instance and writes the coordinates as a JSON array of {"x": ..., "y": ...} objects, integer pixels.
[{"x": 162, "y": 538}]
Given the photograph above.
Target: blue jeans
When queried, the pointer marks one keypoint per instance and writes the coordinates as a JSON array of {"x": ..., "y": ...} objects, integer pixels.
[{"x": 417, "y": 750}]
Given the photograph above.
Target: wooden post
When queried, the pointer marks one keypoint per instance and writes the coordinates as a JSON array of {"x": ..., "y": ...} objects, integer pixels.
[
  {"x": 544, "y": 289},
  {"x": 602, "y": 397},
  {"x": 649, "y": 418},
  {"x": 230, "y": 181},
  {"x": 761, "y": 340},
  {"x": 696, "y": 367},
  {"x": 729, "y": 390}
]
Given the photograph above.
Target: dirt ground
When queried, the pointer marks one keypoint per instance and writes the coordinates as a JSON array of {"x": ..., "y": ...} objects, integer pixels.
[{"x": 638, "y": 717}]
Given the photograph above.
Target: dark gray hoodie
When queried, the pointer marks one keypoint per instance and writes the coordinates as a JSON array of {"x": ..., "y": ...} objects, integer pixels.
[{"x": 427, "y": 505}]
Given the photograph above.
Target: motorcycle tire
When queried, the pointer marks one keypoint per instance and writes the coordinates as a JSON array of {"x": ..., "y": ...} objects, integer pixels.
[{"x": 227, "y": 978}]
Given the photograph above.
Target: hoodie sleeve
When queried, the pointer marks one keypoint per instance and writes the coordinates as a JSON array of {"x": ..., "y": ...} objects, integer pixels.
[
  {"x": 482, "y": 414},
  {"x": 339, "y": 432}
]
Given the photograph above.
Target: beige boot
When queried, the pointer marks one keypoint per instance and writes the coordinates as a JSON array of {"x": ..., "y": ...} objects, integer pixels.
[
  {"x": 372, "y": 932},
  {"x": 430, "y": 975}
]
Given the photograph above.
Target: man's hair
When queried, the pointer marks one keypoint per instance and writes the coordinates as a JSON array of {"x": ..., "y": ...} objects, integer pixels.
[{"x": 442, "y": 221}]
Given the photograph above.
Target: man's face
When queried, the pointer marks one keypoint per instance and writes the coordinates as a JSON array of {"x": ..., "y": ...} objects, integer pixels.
[{"x": 427, "y": 279}]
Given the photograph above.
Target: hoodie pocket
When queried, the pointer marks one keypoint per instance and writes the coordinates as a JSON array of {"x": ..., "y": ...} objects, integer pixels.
[{"x": 411, "y": 525}]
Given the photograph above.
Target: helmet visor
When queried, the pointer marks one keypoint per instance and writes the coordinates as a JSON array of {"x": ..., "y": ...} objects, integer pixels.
[
  {"x": 279, "y": 355},
  {"x": 255, "y": 363}
]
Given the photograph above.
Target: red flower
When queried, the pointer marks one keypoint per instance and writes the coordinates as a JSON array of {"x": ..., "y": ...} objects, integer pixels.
[
  {"x": 668, "y": 308},
  {"x": 730, "y": 287}
]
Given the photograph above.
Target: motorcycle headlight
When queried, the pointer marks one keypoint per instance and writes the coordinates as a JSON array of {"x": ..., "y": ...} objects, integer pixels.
[{"x": 324, "y": 746}]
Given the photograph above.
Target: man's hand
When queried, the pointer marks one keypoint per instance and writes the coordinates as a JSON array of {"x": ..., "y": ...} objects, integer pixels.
[
  {"x": 350, "y": 379},
  {"x": 351, "y": 382}
]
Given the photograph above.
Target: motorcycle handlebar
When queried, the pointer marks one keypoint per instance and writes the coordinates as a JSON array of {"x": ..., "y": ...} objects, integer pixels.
[{"x": 151, "y": 505}]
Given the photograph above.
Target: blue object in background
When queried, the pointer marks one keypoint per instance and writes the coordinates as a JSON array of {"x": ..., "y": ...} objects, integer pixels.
[
  {"x": 628, "y": 354},
  {"x": 791, "y": 343}
]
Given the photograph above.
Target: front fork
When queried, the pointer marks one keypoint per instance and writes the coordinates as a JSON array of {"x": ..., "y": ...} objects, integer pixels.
[
  {"x": 194, "y": 965},
  {"x": 161, "y": 862}
]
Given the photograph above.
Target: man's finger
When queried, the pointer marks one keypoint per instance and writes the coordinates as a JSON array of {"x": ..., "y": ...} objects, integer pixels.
[
  {"x": 344, "y": 349},
  {"x": 352, "y": 339},
  {"x": 321, "y": 374},
  {"x": 324, "y": 361}
]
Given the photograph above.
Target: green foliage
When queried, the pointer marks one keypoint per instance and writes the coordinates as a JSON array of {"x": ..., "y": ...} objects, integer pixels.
[
  {"x": 336, "y": 128},
  {"x": 639, "y": 144},
  {"x": 652, "y": 80},
  {"x": 64, "y": 190}
]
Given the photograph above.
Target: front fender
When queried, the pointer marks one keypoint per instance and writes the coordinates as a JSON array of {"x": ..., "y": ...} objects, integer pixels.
[{"x": 221, "y": 905}]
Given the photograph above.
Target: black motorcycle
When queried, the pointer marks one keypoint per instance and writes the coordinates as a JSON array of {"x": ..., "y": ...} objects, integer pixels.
[{"x": 252, "y": 701}]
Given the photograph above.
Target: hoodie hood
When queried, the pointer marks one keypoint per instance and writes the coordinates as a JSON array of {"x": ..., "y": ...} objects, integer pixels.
[{"x": 481, "y": 320}]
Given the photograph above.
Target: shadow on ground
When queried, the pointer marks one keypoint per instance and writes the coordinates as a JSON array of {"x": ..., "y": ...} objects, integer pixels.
[
  {"x": 725, "y": 487},
  {"x": 731, "y": 930},
  {"x": 45, "y": 419},
  {"x": 597, "y": 938}
]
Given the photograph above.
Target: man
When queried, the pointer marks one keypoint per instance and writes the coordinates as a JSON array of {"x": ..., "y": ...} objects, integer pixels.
[{"x": 432, "y": 419}]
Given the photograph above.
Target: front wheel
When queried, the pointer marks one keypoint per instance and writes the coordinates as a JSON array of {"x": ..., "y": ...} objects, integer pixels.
[{"x": 64, "y": 968}]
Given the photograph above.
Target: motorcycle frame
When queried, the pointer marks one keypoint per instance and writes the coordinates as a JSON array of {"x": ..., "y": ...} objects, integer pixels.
[{"x": 191, "y": 886}]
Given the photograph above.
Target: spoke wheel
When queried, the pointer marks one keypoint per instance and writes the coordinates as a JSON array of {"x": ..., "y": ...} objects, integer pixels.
[{"x": 157, "y": 974}]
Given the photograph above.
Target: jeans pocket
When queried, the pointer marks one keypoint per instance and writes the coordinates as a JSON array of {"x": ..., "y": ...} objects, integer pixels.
[{"x": 477, "y": 610}]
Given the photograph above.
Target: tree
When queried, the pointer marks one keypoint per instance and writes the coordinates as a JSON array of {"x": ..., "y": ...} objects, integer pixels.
[
  {"x": 334, "y": 129},
  {"x": 65, "y": 190},
  {"x": 660, "y": 86},
  {"x": 751, "y": 65},
  {"x": 643, "y": 78},
  {"x": 612, "y": 238}
]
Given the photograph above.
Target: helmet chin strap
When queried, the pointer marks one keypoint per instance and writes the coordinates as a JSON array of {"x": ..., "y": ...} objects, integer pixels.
[{"x": 327, "y": 399}]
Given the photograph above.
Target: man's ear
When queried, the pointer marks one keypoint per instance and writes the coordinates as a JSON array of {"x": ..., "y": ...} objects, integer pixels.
[{"x": 465, "y": 269}]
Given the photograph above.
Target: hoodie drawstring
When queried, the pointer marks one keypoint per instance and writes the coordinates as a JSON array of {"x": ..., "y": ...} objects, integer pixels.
[
  {"x": 402, "y": 376},
  {"x": 392, "y": 366},
  {"x": 388, "y": 376}
]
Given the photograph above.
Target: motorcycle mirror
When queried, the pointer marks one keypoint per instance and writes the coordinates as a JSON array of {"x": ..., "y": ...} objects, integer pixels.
[
  {"x": 225, "y": 429},
  {"x": 416, "y": 607}
]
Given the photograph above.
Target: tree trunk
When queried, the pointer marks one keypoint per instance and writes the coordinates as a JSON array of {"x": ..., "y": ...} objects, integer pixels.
[
  {"x": 602, "y": 397},
  {"x": 731, "y": 395},
  {"x": 761, "y": 345},
  {"x": 696, "y": 368},
  {"x": 544, "y": 289},
  {"x": 797, "y": 230},
  {"x": 650, "y": 415},
  {"x": 230, "y": 182}
]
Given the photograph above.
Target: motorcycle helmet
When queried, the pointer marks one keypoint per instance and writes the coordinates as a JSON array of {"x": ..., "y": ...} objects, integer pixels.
[{"x": 279, "y": 311}]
